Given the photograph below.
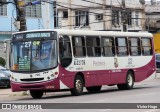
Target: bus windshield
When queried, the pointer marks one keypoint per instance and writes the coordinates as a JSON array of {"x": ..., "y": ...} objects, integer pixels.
[{"x": 33, "y": 55}]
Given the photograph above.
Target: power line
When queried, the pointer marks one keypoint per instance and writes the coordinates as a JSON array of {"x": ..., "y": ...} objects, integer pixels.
[
  {"x": 107, "y": 5},
  {"x": 80, "y": 10},
  {"x": 89, "y": 23}
]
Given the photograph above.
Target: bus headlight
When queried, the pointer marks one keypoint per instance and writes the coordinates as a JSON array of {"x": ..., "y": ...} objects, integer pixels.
[{"x": 48, "y": 78}]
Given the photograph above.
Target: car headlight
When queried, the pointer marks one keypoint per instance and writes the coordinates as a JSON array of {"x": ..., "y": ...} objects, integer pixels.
[{"x": 2, "y": 75}]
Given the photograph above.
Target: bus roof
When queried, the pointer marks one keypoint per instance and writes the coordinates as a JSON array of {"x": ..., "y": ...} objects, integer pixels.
[{"x": 90, "y": 32}]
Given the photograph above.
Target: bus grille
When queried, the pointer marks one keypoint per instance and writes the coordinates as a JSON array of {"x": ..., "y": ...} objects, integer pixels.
[
  {"x": 32, "y": 79},
  {"x": 27, "y": 87}
]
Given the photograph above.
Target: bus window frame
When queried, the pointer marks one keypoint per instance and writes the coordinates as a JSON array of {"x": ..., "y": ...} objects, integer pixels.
[
  {"x": 117, "y": 47},
  {"x": 139, "y": 51},
  {"x": 151, "y": 46},
  {"x": 111, "y": 47},
  {"x": 83, "y": 47},
  {"x": 62, "y": 58},
  {"x": 95, "y": 47}
]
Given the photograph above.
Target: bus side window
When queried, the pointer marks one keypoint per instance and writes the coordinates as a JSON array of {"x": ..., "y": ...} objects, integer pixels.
[
  {"x": 65, "y": 53},
  {"x": 146, "y": 46},
  {"x": 134, "y": 46},
  {"x": 93, "y": 46},
  {"x": 121, "y": 46},
  {"x": 78, "y": 43},
  {"x": 108, "y": 46}
]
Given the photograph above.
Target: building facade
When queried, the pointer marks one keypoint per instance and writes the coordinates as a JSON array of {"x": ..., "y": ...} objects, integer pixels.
[
  {"x": 153, "y": 16},
  {"x": 105, "y": 15},
  {"x": 40, "y": 16},
  {"x": 36, "y": 18}
]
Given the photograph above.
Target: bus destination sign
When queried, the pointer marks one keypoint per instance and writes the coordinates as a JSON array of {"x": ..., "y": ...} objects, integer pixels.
[{"x": 38, "y": 35}]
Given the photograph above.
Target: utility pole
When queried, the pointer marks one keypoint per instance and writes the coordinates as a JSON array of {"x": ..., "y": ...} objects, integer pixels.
[
  {"x": 20, "y": 11},
  {"x": 124, "y": 18},
  {"x": 20, "y": 14}
]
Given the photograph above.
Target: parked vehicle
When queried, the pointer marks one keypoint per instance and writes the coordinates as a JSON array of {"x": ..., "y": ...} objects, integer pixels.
[
  {"x": 4, "y": 79},
  {"x": 158, "y": 63},
  {"x": 5, "y": 70}
]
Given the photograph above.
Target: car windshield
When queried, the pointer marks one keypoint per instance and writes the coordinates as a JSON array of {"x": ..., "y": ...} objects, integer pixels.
[{"x": 33, "y": 55}]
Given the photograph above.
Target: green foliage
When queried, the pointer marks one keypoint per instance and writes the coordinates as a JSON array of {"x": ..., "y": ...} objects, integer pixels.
[{"x": 2, "y": 61}]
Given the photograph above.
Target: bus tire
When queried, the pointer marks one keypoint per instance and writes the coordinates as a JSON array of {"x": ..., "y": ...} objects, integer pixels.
[
  {"x": 36, "y": 94},
  {"x": 78, "y": 86},
  {"x": 129, "y": 82},
  {"x": 94, "y": 89}
]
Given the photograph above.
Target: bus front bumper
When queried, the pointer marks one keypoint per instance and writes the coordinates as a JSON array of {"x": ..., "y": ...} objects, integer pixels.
[{"x": 49, "y": 85}]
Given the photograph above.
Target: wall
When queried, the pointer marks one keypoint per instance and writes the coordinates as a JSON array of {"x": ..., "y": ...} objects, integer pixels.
[{"x": 106, "y": 23}]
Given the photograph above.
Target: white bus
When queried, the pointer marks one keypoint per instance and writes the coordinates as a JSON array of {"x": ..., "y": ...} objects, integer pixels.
[{"x": 55, "y": 60}]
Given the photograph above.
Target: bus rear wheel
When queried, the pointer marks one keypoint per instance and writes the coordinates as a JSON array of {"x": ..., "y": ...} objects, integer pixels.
[
  {"x": 78, "y": 86},
  {"x": 129, "y": 82},
  {"x": 37, "y": 94},
  {"x": 94, "y": 89}
]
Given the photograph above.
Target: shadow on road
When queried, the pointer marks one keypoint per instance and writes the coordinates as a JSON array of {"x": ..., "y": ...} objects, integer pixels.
[
  {"x": 4, "y": 87},
  {"x": 67, "y": 94}
]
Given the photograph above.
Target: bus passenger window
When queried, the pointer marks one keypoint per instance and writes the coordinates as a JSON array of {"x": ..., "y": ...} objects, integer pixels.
[
  {"x": 93, "y": 46},
  {"x": 65, "y": 52},
  {"x": 108, "y": 48},
  {"x": 121, "y": 46},
  {"x": 146, "y": 46},
  {"x": 134, "y": 44},
  {"x": 78, "y": 43}
]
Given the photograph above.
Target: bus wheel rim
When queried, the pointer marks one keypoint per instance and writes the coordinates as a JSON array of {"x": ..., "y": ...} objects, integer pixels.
[
  {"x": 78, "y": 85},
  {"x": 129, "y": 80}
]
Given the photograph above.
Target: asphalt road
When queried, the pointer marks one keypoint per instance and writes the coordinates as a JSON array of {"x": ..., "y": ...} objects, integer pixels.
[{"x": 143, "y": 92}]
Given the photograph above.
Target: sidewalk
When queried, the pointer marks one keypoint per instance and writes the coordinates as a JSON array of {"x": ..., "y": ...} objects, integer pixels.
[{"x": 6, "y": 93}]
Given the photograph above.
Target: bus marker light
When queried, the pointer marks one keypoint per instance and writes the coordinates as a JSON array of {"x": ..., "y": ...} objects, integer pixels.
[
  {"x": 52, "y": 75},
  {"x": 56, "y": 73},
  {"x": 12, "y": 77},
  {"x": 48, "y": 78}
]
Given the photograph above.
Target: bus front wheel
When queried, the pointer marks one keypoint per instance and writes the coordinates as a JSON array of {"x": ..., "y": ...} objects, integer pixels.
[
  {"x": 129, "y": 82},
  {"x": 37, "y": 94},
  {"x": 78, "y": 86}
]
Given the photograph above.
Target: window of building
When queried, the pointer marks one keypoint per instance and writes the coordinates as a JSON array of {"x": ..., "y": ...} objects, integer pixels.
[
  {"x": 93, "y": 46},
  {"x": 136, "y": 18},
  {"x": 3, "y": 9},
  {"x": 146, "y": 46},
  {"x": 33, "y": 10},
  {"x": 78, "y": 43},
  {"x": 129, "y": 17},
  {"x": 115, "y": 17},
  {"x": 99, "y": 17},
  {"x": 134, "y": 44},
  {"x": 81, "y": 18},
  {"x": 65, "y": 14},
  {"x": 121, "y": 46},
  {"x": 108, "y": 48}
]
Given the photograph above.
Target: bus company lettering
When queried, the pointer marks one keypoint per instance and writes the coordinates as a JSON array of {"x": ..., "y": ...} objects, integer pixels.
[
  {"x": 99, "y": 63},
  {"x": 79, "y": 62}
]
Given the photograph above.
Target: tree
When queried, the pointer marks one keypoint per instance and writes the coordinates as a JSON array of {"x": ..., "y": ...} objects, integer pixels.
[{"x": 2, "y": 61}]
